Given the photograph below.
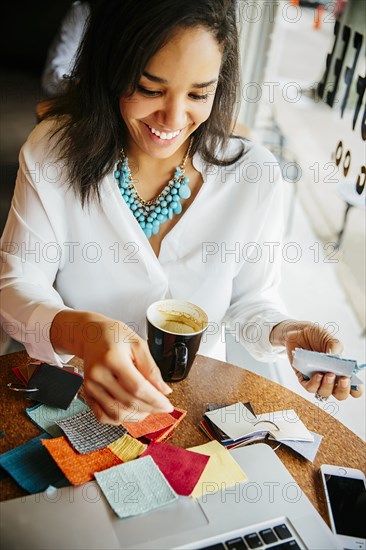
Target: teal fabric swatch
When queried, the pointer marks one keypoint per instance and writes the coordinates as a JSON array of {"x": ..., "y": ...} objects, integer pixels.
[
  {"x": 45, "y": 417},
  {"x": 32, "y": 467},
  {"x": 135, "y": 487}
]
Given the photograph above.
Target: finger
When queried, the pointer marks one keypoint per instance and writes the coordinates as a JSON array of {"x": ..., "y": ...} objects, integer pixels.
[
  {"x": 319, "y": 339},
  {"x": 149, "y": 369},
  {"x": 311, "y": 385},
  {"x": 302, "y": 377},
  {"x": 128, "y": 377},
  {"x": 342, "y": 389},
  {"x": 99, "y": 410},
  {"x": 358, "y": 392},
  {"x": 326, "y": 387},
  {"x": 335, "y": 347},
  {"x": 105, "y": 379},
  {"x": 104, "y": 408},
  {"x": 108, "y": 410}
]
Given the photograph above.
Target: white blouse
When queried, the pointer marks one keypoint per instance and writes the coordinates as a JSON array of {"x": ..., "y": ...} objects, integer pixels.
[{"x": 223, "y": 254}]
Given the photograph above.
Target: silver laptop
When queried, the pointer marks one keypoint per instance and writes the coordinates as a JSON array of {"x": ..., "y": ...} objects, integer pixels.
[{"x": 268, "y": 511}]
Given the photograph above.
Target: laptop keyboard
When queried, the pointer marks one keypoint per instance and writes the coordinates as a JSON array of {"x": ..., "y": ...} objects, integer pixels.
[{"x": 278, "y": 537}]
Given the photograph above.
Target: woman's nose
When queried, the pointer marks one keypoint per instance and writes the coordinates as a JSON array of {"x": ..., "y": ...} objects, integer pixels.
[{"x": 173, "y": 116}]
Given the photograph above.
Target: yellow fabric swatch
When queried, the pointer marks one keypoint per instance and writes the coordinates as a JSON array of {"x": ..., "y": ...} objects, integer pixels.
[
  {"x": 127, "y": 448},
  {"x": 221, "y": 471}
]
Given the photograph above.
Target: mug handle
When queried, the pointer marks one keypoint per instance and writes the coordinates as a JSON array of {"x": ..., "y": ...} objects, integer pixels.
[{"x": 180, "y": 360}]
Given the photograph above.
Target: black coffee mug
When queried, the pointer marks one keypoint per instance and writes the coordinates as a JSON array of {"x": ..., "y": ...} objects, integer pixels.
[{"x": 175, "y": 329}]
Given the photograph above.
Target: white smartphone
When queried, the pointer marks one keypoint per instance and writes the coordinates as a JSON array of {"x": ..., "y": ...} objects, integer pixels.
[{"x": 345, "y": 493}]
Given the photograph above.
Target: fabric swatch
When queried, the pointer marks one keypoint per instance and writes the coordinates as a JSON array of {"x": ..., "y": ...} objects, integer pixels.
[
  {"x": 45, "y": 417},
  {"x": 165, "y": 433},
  {"x": 18, "y": 373},
  {"x": 181, "y": 468},
  {"x": 135, "y": 487},
  {"x": 127, "y": 448},
  {"x": 79, "y": 468},
  {"x": 221, "y": 471},
  {"x": 31, "y": 466},
  {"x": 56, "y": 387},
  {"x": 31, "y": 369},
  {"x": 151, "y": 423},
  {"x": 86, "y": 434},
  {"x": 24, "y": 372}
]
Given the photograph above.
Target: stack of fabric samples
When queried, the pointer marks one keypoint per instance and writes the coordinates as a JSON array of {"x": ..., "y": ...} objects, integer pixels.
[
  {"x": 237, "y": 424},
  {"x": 132, "y": 465},
  {"x": 213, "y": 431},
  {"x": 49, "y": 384}
]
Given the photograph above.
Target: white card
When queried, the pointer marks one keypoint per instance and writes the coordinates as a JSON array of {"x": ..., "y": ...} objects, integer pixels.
[
  {"x": 235, "y": 420},
  {"x": 285, "y": 425}
]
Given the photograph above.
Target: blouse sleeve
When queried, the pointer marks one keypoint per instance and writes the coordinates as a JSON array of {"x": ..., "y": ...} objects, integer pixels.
[
  {"x": 255, "y": 306},
  {"x": 30, "y": 258}
]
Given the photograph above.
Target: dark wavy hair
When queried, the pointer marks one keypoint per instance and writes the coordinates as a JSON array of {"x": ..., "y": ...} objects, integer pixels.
[{"x": 120, "y": 39}]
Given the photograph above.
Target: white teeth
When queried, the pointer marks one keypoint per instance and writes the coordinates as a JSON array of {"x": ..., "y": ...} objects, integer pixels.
[{"x": 164, "y": 135}]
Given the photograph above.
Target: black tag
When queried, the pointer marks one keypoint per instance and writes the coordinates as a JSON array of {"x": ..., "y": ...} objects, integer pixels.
[{"x": 56, "y": 387}]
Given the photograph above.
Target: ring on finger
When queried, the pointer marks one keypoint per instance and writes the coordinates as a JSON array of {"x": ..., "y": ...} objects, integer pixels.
[{"x": 320, "y": 397}]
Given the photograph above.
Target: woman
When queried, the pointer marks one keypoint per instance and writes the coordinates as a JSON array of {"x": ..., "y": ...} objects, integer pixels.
[{"x": 131, "y": 191}]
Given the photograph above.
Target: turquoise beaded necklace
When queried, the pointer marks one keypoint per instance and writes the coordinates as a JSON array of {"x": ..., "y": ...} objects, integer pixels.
[{"x": 153, "y": 213}]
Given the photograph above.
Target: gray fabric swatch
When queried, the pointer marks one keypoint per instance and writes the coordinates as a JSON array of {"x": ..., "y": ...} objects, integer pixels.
[
  {"x": 46, "y": 417},
  {"x": 135, "y": 487},
  {"x": 86, "y": 434}
]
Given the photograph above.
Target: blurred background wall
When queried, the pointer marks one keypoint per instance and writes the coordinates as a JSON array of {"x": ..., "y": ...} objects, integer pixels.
[{"x": 26, "y": 32}]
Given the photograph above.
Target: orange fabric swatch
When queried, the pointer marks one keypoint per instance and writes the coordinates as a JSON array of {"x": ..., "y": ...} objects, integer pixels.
[
  {"x": 151, "y": 423},
  {"x": 164, "y": 434},
  {"x": 79, "y": 468}
]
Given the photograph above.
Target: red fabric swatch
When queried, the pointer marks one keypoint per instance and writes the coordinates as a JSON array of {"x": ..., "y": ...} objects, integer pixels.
[
  {"x": 165, "y": 433},
  {"x": 181, "y": 468},
  {"x": 79, "y": 468},
  {"x": 18, "y": 373}
]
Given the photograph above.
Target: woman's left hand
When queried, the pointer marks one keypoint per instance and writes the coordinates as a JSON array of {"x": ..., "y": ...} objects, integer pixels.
[{"x": 310, "y": 336}]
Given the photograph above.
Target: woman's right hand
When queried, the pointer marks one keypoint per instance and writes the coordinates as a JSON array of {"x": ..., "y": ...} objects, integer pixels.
[{"x": 121, "y": 380}]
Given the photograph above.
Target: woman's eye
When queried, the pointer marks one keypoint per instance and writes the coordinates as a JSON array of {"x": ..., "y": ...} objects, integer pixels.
[
  {"x": 151, "y": 93},
  {"x": 155, "y": 93},
  {"x": 199, "y": 97}
]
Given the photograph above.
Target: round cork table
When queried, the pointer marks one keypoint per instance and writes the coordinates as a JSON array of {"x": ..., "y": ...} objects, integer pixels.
[{"x": 209, "y": 381}]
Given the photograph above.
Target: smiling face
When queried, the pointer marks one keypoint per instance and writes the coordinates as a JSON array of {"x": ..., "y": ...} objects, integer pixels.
[{"x": 174, "y": 95}]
